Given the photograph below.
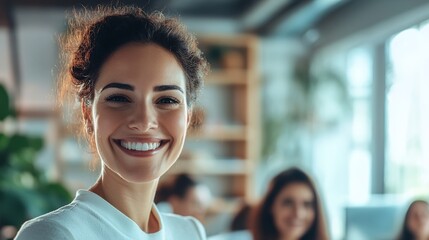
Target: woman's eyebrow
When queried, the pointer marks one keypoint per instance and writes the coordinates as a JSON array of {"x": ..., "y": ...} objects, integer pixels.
[
  {"x": 167, "y": 87},
  {"x": 118, "y": 85}
]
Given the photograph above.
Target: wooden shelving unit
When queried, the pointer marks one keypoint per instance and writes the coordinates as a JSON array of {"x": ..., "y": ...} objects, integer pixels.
[{"x": 224, "y": 149}]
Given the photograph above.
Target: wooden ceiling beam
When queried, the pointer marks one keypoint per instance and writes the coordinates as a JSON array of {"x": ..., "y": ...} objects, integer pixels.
[
  {"x": 77, "y": 3},
  {"x": 4, "y": 13},
  {"x": 270, "y": 25}
]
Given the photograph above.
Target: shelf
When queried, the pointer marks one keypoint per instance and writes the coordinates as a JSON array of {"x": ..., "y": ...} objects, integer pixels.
[
  {"x": 219, "y": 132},
  {"x": 223, "y": 205},
  {"x": 210, "y": 167},
  {"x": 223, "y": 145},
  {"x": 23, "y": 112},
  {"x": 228, "y": 77}
]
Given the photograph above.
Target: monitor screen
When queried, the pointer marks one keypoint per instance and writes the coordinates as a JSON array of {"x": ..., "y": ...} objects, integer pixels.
[{"x": 375, "y": 222}]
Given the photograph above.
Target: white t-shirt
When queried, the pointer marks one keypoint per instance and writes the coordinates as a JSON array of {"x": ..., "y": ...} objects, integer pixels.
[
  {"x": 236, "y": 235},
  {"x": 90, "y": 217}
]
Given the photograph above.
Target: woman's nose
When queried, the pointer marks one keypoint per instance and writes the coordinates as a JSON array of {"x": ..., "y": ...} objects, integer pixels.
[
  {"x": 299, "y": 212},
  {"x": 143, "y": 119}
]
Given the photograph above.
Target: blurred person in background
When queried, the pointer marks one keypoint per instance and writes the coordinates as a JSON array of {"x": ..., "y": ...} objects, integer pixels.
[
  {"x": 239, "y": 227},
  {"x": 136, "y": 76},
  {"x": 416, "y": 222},
  {"x": 290, "y": 210},
  {"x": 184, "y": 196},
  {"x": 240, "y": 222}
]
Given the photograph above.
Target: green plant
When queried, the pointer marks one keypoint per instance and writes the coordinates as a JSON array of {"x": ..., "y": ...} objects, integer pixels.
[
  {"x": 315, "y": 103},
  {"x": 25, "y": 192}
]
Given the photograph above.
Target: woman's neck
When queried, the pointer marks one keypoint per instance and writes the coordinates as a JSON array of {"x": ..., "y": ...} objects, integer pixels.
[
  {"x": 133, "y": 200},
  {"x": 422, "y": 237},
  {"x": 287, "y": 238}
]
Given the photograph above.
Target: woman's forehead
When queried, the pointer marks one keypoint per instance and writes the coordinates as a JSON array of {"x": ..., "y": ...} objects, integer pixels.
[{"x": 142, "y": 63}]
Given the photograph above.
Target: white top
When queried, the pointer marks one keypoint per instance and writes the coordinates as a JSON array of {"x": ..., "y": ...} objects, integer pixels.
[
  {"x": 91, "y": 217},
  {"x": 236, "y": 235}
]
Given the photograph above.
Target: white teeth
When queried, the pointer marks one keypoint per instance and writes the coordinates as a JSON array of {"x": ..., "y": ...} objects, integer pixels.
[
  {"x": 145, "y": 147},
  {"x": 138, "y": 146}
]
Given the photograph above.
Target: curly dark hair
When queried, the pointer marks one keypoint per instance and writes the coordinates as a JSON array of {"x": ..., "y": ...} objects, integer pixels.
[
  {"x": 93, "y": 35},
  {"x": 262, "y": 224}
]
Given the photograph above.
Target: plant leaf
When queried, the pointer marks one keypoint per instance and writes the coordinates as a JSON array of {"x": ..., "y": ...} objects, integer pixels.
[{"x": 4, "y": 103}]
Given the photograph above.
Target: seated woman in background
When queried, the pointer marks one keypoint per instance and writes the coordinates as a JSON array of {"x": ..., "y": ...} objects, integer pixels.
[
  {"x": 291, "y": 209},
  {"x": 239, "y": 228},
  {"x": 416, "y": 222},
  {"x": 184, "y": 196},
  {"x": 240, "y": 222}
]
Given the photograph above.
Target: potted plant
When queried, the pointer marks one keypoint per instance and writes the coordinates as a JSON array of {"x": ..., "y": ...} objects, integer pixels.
[{"x": 25, "y": 192}]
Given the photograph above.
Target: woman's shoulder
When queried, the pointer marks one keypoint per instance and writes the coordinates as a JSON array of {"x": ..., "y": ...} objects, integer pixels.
[
  {"x": 183, "y": 226},
  {"x": 52, "y": 225},
  {"x": 44, "y": 227}
]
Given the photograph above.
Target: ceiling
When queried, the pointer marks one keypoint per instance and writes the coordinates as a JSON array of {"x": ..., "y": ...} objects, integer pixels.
[{"x": 263, "y": 17}]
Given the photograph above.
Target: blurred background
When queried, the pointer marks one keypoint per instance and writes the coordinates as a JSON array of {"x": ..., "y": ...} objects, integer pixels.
[{"x": 337, "y": 87}]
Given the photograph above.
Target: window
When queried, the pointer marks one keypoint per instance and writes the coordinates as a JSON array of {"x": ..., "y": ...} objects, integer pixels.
[
  {"x": 359, "y": 78},
  {"x": 407, "y": 113}
]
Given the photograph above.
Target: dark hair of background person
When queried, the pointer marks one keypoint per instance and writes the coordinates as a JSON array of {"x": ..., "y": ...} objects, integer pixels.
[
  {"x": 94, "y": 35},
  {"x": 241, "y": 219},
  {"x": 178, "y": 187},
  {"x": 262, "y": 223},
  {"x": 405, "y": 233}
]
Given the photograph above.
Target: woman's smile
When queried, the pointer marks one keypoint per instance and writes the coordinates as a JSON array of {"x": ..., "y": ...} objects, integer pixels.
[{"x": 141, "y": 148}]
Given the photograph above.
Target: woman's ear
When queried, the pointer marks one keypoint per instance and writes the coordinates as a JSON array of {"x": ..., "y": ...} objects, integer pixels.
[
  {"x": 87, "y": 119},
  {"x": 195, "y": 117},
  {"x": 189, "y": 120}
]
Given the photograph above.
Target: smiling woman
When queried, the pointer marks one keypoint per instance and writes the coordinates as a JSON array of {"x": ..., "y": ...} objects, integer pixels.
[
  {"x": 291, "y": 209},
  {"x": 139, "y": 104},
  {"x": 136, "y": 76},
  {"x": 416, "y": 221}
]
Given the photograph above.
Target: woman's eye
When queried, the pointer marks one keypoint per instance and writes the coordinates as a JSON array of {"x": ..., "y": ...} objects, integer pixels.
[
  {"x": 287, "y": 202},
  {"x": 117, "y": 99},
  {"x": 168, "y": 100},
  {"x": 309, "y": 205}
]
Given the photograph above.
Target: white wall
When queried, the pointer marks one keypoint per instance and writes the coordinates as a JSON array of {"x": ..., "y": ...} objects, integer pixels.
[{"x": 37, "y": 33}]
